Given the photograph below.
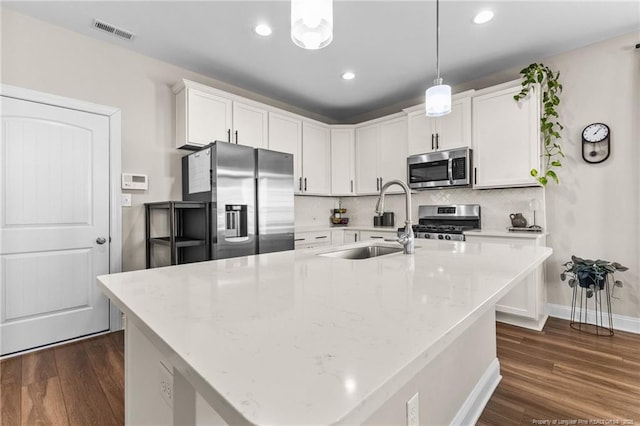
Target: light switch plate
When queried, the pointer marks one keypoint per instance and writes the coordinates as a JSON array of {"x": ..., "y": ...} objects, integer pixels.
[
  {"x": 125, "y": 200},
  {"x": 413, "y": 410}
]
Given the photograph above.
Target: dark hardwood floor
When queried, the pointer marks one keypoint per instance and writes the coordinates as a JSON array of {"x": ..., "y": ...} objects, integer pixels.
[
  {"x": 80, "y": 383},
  {"x": 556, "y": 375},
  {"x": 563, "y": 375}
]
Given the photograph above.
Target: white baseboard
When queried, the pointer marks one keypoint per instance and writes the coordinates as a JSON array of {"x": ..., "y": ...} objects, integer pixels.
[
  {"x": 620, "y": 322},
  {"x": 473, "y": 406}
]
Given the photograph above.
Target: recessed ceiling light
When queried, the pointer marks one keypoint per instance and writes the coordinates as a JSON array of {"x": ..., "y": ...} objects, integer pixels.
[
  {"x": 263, "y": 30},
  {"x": 483, "y": 17},
  {"x": 348, "y": 75}
]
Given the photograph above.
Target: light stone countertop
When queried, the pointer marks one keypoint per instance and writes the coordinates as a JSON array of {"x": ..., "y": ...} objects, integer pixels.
[
  {"x": 505, "y": 233},
  {"x": 314, "y": 228},
  {"x": 297, "y": 338}
]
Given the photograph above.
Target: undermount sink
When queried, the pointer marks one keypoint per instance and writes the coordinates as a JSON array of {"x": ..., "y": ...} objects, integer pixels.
[{"x": 366, "y": 252}]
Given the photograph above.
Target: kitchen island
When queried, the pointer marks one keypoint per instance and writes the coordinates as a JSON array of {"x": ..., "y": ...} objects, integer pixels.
[{"x": 299, "y": 338}]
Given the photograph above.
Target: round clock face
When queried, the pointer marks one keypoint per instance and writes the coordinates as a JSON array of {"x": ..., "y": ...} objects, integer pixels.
[
  {"x": 596, "y": 140},
  {"x": 596, "y": 132}
]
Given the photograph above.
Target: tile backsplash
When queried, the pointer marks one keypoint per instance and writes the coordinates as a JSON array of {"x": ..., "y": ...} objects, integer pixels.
[{"x": 496, "y": 206}]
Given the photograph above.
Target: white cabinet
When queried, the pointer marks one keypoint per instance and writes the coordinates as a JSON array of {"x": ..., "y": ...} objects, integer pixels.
[
  {"x": 316, "y": 155},
  {"x": 381, "y": 155},
  {"x": 525, "y": 304},
  {"x": 312, "y": 239},
  {"x": 310, "y": 145},
  {"x": 506, "y": 137},
  {"x": 342, "y": 161},
  {"x": 285, "y": 135},
  {"x": 378, "y": 235},
  {"x": 427, "y": 134},
  {"x": 205, "y": 115},
  {"x": 351, "y": 236},
  {"x": 249, "y": 125}
]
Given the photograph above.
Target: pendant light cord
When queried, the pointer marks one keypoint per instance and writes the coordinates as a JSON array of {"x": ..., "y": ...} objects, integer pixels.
[{"x": 437, "y": 39}]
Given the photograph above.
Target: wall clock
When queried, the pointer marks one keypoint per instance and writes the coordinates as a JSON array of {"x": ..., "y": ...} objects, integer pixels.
[{"x": 596, "y": 143}]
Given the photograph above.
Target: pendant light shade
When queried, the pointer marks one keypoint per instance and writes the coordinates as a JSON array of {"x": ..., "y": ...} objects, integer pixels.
[
  {"x": 312, "y": 23},
  {"x": 438, "y": 97}
]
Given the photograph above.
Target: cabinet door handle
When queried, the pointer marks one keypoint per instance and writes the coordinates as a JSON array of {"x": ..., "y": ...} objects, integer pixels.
[
  {"x": 475, "y": 175},
  {"x": 321, "y": 237},
  {"x": 299, "y": 239},
  {"x": 236, "y": 137},
  {"x": 375, "y": 237},
  {"x": 432, "y": 141},
  {"x": 377, "y": 184},
  {"x": 437, "y": 140},
  {"x": 300, "y": 184},
  {"x": 229, "y": 135},
  {"x": 305, "y": 184},
  {"x": 351, "y": 185}
]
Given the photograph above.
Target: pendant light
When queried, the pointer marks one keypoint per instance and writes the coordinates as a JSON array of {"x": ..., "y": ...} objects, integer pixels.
[
  {"x": 438, "y": 97},
  {"x": 312, "y": 23}
]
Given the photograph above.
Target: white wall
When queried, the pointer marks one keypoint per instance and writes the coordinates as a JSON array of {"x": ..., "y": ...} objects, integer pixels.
[{"x": 595, "y": 211}]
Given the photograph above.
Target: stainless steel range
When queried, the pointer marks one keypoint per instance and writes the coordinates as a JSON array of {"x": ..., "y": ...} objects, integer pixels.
[{"x": 446, "y": 222}]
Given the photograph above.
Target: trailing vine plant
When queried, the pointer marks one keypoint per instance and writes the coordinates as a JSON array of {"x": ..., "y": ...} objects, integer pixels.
[{"x": 550, "y": 127}]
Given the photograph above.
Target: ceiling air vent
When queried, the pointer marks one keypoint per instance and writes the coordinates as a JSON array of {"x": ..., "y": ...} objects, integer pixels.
[{"x": 111, "y": 29}]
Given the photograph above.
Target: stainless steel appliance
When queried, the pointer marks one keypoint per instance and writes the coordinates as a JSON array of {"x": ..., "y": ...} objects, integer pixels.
[
  {"x": 440, "y": 169},
  {"x": 446, "y": 222},
  {"x": 251, "y": 196}
]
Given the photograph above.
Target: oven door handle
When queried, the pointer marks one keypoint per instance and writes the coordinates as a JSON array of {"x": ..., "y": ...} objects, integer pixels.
[{"x": 450, "y": 170}]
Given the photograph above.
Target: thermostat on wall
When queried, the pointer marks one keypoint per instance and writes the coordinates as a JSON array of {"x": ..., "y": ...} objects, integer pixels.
[{"x": 134, "y": 181}]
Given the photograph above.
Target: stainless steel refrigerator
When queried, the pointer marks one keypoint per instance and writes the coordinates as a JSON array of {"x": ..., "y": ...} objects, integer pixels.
[{"x": 251, "y": 196}]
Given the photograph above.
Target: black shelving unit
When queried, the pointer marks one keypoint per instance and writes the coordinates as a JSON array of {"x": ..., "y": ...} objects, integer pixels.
[{"x": 188, "y": 238}]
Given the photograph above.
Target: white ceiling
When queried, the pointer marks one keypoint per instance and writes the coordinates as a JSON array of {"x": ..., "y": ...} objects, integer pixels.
[{"x": 390, "y": 45}]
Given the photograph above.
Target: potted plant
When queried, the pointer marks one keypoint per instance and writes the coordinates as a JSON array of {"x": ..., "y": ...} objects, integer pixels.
[{"x": 591, "y": 274}]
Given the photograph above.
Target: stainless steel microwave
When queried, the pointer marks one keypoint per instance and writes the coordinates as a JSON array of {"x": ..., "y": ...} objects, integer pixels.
[{"x": 440, "y": 169}]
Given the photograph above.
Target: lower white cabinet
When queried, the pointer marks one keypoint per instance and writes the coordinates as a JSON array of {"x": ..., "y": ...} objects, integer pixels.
[
  {"x": 525, "y": 304},
  {"x": 377, "y": 235},
  {"x": 351, "y": 236},
  {"x": 312, "y": 239}
]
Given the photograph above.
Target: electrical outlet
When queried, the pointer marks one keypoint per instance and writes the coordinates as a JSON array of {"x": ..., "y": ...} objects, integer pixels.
[
  {"x": 413, "y": 410},
  {"x": 125, "y": 200},
  {"x": 165, "y": 382}
]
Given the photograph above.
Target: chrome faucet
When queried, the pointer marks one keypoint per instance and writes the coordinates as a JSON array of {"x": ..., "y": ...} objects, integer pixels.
[{"x": 406, "y": 239}]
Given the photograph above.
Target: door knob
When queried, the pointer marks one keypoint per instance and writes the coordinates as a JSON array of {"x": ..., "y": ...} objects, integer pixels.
[{"x": 100, "y": 240}]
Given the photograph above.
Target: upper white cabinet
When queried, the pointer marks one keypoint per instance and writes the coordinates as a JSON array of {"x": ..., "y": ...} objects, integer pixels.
[
  {"x": 381, "y": 154},
  {"x": 310, "y": 145},
  {"x": 316, "y": 155},
  {"x": 343, "y": 161},
  {"x": 285, "y": 135},
  {"x": 453, "y": 130},
  {"x": 506, "y": 137},
  {"x": 249, "y": 125},
  {"x": 205, "y": 115}
]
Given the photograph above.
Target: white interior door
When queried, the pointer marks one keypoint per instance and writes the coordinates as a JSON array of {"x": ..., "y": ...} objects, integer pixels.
[{"x": 54, "y": 224}]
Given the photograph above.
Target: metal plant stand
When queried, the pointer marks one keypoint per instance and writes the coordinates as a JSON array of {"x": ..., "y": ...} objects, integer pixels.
[{"x": 600, "y": 324}]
